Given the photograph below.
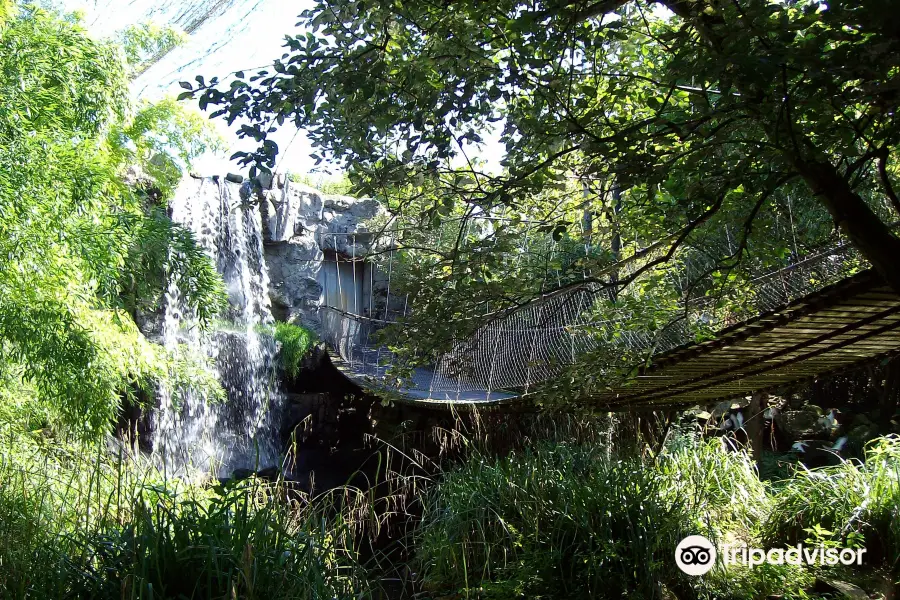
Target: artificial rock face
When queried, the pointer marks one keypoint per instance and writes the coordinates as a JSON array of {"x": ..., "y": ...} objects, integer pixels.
[
  {"x": 301, "y": 224},
  {"x": 284, "y": 251}
]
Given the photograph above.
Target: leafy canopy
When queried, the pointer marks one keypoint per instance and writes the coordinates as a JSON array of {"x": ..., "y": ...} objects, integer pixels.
[
  {"x": 740, "y": 132},
  {"x": 82, "y": 252}
]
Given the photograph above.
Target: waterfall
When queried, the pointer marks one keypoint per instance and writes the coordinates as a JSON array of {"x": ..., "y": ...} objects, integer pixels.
[{"x": 191, "y": 432}]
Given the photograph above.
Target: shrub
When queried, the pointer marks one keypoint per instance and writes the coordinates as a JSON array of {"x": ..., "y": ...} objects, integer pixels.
[{"x": 294, "y": 344}]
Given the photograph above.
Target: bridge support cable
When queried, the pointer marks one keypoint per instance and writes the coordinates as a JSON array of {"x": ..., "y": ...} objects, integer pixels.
[{"x": 356, "y": 289}]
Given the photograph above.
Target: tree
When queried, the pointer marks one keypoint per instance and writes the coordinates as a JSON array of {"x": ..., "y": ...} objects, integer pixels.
[
  {"x": 715, "y": 121},
  {"x": 79, "y": 247},
  {"x": 145, "y": 44}
]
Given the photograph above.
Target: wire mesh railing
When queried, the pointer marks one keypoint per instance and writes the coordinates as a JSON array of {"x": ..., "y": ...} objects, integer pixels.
[{"x": 517, "y": 350}]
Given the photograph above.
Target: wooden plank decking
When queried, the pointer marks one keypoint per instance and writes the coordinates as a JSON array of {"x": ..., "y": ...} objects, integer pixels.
[{"x": 855, "y": 320}]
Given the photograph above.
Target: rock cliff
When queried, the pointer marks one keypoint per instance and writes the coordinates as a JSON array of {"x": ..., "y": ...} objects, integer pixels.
[{"x": 301, "y": 225}]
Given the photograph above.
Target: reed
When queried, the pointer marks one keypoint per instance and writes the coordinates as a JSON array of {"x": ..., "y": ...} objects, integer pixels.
[
  {"x": 556, "y": 516},
  {"x": 855, "y": 503},
  {"x": 86, "y": 523}
]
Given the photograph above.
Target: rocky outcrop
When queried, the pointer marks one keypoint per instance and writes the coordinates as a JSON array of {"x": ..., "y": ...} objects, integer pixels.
[
  {"x": 800, "y": 424},
  {"x": 301, "y": 224}
]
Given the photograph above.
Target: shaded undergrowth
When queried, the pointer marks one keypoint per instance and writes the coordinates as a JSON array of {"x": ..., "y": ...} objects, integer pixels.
[
  {"x": 552, "y": 521},
  {"x": 561, "y": 521},
  {"x": 852, "y": 504},
  {"x": 81, "y": 524},
  {"x": 558, "y": 515}
]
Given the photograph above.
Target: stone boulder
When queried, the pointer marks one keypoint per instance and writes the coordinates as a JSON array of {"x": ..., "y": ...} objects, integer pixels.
[
  {"x": 798, "y": 424},
  {"x": 290, "y": 211},
  {"x": 294, "y": 286},
  {"x": 833, "y": 588}
]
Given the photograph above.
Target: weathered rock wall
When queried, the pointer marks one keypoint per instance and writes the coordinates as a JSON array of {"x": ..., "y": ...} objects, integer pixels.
[
  {"x": 301, "y": 225},
  {"x": 306, "y": 233}
]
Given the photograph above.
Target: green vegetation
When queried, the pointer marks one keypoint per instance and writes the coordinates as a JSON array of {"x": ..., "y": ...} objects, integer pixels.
[
  {"x": 327, "y": 185},
  {"x": 854, "y": 504},
  {"x": 79, "y": 522},
  {"x": 730, "y": 133},
  {"x": 294, "y": 344},
  {"x": 565, "y": 521},
  {"x": 555, "y": 520},
  {"x": 738, "y": 135},
  {"x": 83, "y": 252},
  {"x": 87, "y": 248},
  {"x": 144, "y": 43}
]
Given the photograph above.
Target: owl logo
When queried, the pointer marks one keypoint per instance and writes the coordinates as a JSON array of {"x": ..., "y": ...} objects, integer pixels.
[{"x": 695, "y": 555}]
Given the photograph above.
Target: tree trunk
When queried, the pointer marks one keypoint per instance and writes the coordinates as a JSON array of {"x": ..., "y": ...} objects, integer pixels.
[
  {"x": 755, "y": 425},
  {"x": 869, "y": 234}
]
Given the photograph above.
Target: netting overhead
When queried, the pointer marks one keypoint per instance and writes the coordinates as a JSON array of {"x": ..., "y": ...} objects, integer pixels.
[{"x": 224, "y": 35}]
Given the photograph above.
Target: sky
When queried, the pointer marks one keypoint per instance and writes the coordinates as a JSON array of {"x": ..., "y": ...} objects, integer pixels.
[{"x": 244, "y": 35}]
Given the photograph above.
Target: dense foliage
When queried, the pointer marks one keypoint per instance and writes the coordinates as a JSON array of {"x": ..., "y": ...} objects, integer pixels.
[
  {"x": 553, "y": 521},
  {"x": 853, "y": 503},
  {"x": 79, "y": 522},
  {"x": 82, "y": 251},
  {"x": 566, "y": 520},
  {"x": 725, "y": 133},
  {"x": 739, "y": 133},
  {"x": 558, "y": 519},
  {"x": 294, "y": 344}
]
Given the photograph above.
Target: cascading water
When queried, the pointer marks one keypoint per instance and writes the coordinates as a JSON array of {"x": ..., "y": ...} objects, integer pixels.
[{"x": 191, "y": 432}]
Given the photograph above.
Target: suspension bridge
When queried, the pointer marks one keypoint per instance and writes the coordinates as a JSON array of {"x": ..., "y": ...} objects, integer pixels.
[{"x": 820, "y": 314}]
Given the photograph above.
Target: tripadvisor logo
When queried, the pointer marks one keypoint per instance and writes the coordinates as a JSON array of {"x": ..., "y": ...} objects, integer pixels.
[{"x": 696, "y": 555}]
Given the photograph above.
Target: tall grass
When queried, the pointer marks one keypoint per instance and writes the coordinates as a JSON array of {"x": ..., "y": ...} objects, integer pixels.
[
  {"x": 571, "y": 520},
  {"x": 555, "y": 521},
  {"x": 77, "y": 524},
  {"x": 559, "y": 517},
  {"x": 716, "y": 481},
  {"x": 856, "y": 503}
]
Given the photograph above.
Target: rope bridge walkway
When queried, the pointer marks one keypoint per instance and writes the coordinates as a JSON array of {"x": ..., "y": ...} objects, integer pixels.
[{"x": 820, "y": 314}]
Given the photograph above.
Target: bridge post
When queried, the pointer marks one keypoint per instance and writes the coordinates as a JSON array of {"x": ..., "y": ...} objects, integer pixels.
[{"x": 755, "y": 424}]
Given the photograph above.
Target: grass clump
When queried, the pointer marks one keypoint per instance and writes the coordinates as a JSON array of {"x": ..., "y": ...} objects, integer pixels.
[
  {"x": 563, "y": 521},
  {"x": 716, "y": 481},
  {"x": 81, "y": 523},
  {"x": 293, "y": 342},
  {"x": 854, "y": 504},
  {"x": 554, "y": 521}
]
